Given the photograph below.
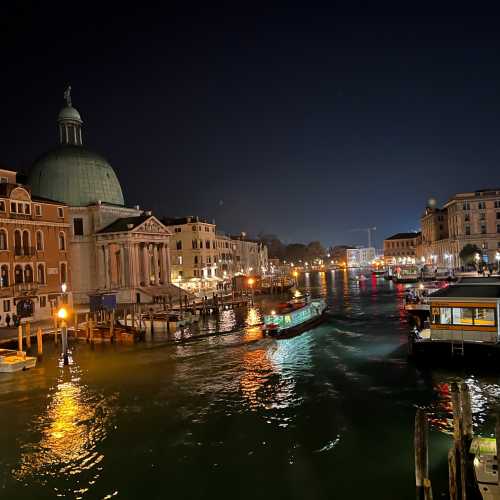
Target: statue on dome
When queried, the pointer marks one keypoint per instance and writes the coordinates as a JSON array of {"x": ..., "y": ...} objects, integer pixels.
[{"x": 67, "y": 96}]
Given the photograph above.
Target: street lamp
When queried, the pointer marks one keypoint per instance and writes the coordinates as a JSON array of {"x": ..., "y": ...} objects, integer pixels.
[
  {"x": 251, "y": 282},
  {"x": 63, "y": 314},
  {"x": 497, "y": 258},
  {"x": 477, "y": 257}
]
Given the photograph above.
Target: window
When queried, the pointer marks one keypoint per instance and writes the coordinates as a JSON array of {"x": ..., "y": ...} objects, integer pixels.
[
  {"x": 63, "y": 273},
  {"x": 28, "y": 274},
  {"x": 465, "y": 205},
  {"x": 38, "y": 210},
  {"x": 498, "y": 228},
  {"x": 6, "y": 306},
  {"x": 497, "y": 204},
  {"x": 207, "y": 244},
  {"x": 60, "y": 212},
  {"x": 3, "y": 239},
  {"x": 4, "y": 276},
  {"x": 179, "y": 260},
  {"x": 39, "y": 241},
  {"x": 177, "y": 230},
  {"x": 481, "y": 205},
  {"x": 463, "y": 316},
  {"x": 26, "y": 243},
  {"x": 467, "y": 230},
  {"x": 484, "y": 316},
  {"x": 18, "y": 274},
  {"x": 445, "y": 316},
  {"x": 178, "y": 245},
  {"x": 78, "y": 226},
  {"x": 4, "y": 180},
  {"x": 2, "y": 206},
  {"x": 17, "y": 242},
  {"x": 40, "y": 274},
  {"x": 27, "y": 208},
  {"x": 195, "y": 260},
  {"x": 13, "y": 207},
  {"x": 483, "y": 229},
  {"x": 43, "y": 300},
  {"x": 482, "y": 216},
  {"x": 195, "y": 244},
  {"x": 62, "y": 242}
]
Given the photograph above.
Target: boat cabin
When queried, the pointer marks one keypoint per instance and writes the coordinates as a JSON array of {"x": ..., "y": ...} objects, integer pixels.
[{"x": 466, "y": 312}]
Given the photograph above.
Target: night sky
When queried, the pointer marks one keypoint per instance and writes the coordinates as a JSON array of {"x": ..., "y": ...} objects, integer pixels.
[{"x": 303, "y": 122}]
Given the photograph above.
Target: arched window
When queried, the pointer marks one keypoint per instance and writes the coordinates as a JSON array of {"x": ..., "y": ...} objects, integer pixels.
[
  {"x": 26, "y": 243},
  {"x": 4, "y": 276},
  {"x": 62, "y": 241},
  {"x": 3, "y": 239},
  {"x": 39, "y": 240},
  {"x": 28, "y": 274},
  {"x": 18, "y": 246},
  {"x": 18, "y": 274},
  {"x": 63, "y": 274},
  {"x": 41, "y": 274}
]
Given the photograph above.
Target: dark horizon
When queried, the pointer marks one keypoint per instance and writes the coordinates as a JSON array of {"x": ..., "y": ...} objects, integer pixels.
[{"x": 304, "y": 123}]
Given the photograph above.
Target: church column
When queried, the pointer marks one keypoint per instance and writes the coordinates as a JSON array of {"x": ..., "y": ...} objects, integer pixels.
[
  {"x": 107, "y": 265},
  {"x": 145, "y": 262},
  {"x": 122, "y": 266},
  {"x": 156, "y": 266},
  {"x": 164, "y": 269},
  {"x": 101, "y": 266}
]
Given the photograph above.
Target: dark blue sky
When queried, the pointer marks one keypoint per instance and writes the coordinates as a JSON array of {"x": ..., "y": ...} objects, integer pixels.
[{"x": 303, "y": 122}]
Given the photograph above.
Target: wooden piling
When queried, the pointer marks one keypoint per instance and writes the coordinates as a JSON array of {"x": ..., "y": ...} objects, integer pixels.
[
  {"x": 112, "y": 325},
  {"x": 151, "y": 322},
  {"x": 20, "y": 338},
  {"x": 466, "y": 412},
  {"x": 91, "y": 331},
  {"x": 55, "y": 329},
  {"x": 87, "y": 329},
  {"x": 452, "y": 473},
  {"x": 421, "y": 453},
  {"x": 28, "y": 335},
  {"x": 39, "y": 342},
  {"x": 458, "y": 436},
  {"x": 497, "y": 437},
  {"x": 75, "y": 324}
]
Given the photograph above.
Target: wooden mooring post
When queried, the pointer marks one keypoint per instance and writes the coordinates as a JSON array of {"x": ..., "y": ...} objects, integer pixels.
[
  {"x": 28, "y": 335},
  {"x": 39, "y": 342},
  {"x": 422, "y": 481},
  {"x": 20, "y": 338}
]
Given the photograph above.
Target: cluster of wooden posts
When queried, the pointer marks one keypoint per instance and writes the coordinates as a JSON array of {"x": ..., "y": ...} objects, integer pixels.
[{"x": 461, "y": 477}]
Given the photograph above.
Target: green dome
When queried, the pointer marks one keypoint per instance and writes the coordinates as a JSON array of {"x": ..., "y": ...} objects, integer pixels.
[
  {"x": 76, "y": 176},
  {"x": 69, "y": 113}
]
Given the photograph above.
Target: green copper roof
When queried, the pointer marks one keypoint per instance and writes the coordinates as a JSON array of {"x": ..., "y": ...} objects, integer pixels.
[
  {"x": 69, "y": 113},
  {"x": 76, "y": 176}
]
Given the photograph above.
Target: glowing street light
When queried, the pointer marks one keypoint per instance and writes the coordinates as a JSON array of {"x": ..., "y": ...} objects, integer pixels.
[
  {"x": 63, "y": 314},
  {"x": 497, "y": 258}
]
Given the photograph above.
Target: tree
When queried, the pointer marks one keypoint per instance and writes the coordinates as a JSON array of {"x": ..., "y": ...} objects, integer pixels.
[
  {"x": 468, "y": 254},
  {"x": 296, "y": 251},
  {"x": 315, "y": 250}
]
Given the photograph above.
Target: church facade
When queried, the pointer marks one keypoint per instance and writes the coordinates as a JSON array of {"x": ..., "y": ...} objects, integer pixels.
[{"x": 113, "y": 248}]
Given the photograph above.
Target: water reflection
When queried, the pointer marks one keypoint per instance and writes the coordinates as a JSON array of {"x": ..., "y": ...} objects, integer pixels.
[{"x": 75, "y": 422}]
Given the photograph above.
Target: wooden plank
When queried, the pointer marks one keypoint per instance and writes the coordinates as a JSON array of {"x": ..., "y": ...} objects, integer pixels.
[
  {"x": 452, "y": 473},
  {"x": 466, "y": 412},
  {"x": 421, "y": 452}
]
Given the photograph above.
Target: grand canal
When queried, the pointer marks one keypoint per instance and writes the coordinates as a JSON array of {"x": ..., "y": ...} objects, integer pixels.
[{"x": 325, "y": 415}]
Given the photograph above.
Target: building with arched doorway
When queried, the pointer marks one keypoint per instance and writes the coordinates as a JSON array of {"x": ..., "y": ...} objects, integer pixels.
[{"x": 34, "y": 252}]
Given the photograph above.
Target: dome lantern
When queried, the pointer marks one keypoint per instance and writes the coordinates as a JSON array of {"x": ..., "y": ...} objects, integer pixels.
[{"x": 70, "y": 122}]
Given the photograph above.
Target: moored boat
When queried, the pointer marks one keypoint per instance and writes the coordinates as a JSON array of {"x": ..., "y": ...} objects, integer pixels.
[
  {"x": 294, "y": 317},
  {"x": 14, "y": 361}
]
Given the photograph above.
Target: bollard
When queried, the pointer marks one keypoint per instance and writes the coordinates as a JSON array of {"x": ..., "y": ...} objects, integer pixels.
[
  {"x": 91, "y": 332},
  {"x": 64, "y": 337},
  {"x": 20, "y": 338},
  {"x": 39, "y": 342},
  {"x": 28, "y": 335}
]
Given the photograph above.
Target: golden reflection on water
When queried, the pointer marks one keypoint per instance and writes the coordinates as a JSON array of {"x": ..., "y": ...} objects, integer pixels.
[{"x": 73, "y": 425}]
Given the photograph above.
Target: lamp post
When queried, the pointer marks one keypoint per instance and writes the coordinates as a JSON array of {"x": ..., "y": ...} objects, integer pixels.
[
  {"x": 251, "y": 281},
  {"x": 476, "y": 258},
  {"x": 62, "y": 314},
  {"x": 497, "y": 258}
]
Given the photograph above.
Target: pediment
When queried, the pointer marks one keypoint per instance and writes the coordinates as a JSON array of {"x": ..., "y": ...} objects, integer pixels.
[{"x": 152, "y": 226}]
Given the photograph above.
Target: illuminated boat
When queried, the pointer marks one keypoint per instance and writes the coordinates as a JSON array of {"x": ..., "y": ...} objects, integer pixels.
[
  {"x": 14, "y": 361},
  {"x": 294, "y": 317}
]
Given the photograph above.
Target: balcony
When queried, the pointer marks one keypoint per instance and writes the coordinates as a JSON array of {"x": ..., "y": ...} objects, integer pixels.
[
  {"x": 15, "y": 215},
  {"x": 24, "y": 251}
]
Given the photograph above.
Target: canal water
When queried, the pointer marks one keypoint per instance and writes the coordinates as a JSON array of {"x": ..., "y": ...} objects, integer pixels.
[{"x": 325, "y": 415}]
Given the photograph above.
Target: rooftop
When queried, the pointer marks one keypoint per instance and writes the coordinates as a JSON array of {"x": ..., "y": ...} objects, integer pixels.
[
  {"x": 125, "y": 224},
  {"x": 403, "y": 236},
  {"x": 469, "y": 291},
  {"x": 189, "y": 219}
]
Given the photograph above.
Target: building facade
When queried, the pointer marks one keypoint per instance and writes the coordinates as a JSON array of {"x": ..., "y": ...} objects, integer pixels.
[
  {"x": 194, "y": 253},
  {"x": 360, "y": 257},
  {"x": 401, "y": 248},
  {"x": 34, "y": 252}
]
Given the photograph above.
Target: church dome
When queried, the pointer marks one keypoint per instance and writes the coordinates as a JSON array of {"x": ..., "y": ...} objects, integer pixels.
[
  {"x": 71, "y": 173},
  {"x": 76, "y": 176},
  {"x": 69, "y": 113}
]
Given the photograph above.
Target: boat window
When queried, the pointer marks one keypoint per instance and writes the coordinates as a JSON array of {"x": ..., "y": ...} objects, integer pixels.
[
  {"x": 435, "y": 315},
  {"x": 445, "y": 316},
  {"x": 462, "y": 316},
  {"x": 485, "y": 316}
]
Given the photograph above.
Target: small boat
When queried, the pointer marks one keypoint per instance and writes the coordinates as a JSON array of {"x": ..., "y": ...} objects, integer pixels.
[
  {"x": 15, "y": 361},
  {"x": 294, "y": 317}
]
